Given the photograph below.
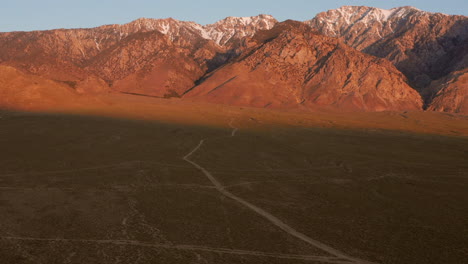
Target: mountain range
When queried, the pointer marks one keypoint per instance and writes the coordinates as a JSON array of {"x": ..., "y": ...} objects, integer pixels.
[{"x": 352, "y": 58}]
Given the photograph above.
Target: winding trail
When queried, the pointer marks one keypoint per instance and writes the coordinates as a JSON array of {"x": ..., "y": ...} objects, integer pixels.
[
  {"x": 271, "y": 218},
  {"x": 337, "y": 257}
]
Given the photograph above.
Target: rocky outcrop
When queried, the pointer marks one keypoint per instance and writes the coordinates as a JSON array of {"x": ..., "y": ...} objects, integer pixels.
[{"x": 291, "y": 65}]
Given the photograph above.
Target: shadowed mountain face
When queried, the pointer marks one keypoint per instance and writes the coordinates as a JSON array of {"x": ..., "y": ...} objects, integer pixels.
[
  {"x": 427, "y": 47},
  {"x": 256, "y": 61}
]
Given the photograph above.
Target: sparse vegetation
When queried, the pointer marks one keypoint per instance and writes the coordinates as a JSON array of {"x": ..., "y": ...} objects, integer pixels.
[{"x": 106, "y": 190}]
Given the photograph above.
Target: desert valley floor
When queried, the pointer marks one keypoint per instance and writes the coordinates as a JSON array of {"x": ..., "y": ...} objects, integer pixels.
[{"x": 232, "y": 185}]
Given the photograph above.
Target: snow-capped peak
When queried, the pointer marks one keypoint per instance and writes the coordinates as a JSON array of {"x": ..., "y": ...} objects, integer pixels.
[
  {"x": 224, "y": 30},
  {"x": 220, "y": 32},
  {"x": 398, "y": 12},
  {"x": 336, "y": 21},
  {"x": 363, "y": 14},
  {"x": 386, "y": 13}
]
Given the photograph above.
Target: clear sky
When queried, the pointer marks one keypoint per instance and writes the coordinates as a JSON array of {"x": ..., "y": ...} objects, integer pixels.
[{"x": 48, "y": 14}]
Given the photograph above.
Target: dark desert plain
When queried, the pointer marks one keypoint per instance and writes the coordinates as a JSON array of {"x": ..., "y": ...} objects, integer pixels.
[{"x": 133, "y": 179}]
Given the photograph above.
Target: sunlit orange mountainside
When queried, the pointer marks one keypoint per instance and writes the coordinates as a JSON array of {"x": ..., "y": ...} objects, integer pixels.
[{"x": 352, "y": 59}]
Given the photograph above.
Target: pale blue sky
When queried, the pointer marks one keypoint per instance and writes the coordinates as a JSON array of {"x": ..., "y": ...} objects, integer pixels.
[{"x": 47, "y": 14}]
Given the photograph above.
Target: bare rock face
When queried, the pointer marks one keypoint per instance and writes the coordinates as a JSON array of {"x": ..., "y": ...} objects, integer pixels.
[
  {"x": 453, "y": 97},
  {"x": 291, "y": 65},
  {"x": 424, "y": 46}
]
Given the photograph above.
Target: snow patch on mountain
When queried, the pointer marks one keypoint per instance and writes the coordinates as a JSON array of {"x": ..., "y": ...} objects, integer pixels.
[
  {"x": 220, "y": 32},
  {"x": 349, "y": 19},
  {"x": 224, "y": 30},
  {"x": 386, "y": 13},
  {"x": 361, "y": 14}
]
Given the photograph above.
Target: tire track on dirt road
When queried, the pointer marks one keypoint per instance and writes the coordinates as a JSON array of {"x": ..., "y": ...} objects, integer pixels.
[{"x": 268, "y": 216}]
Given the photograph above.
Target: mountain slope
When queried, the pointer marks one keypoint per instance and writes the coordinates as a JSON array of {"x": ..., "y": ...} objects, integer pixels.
[
  {"x": 150, "y": 63},
  {"x": 149, "y": 56},
  {"x": 167, "y": 58},
  {"x": 424, "y": 46},
  {"x": 24, "y": 91},
  {"x": 291, "y": 65},
  {"x": 453, "y": 97}
]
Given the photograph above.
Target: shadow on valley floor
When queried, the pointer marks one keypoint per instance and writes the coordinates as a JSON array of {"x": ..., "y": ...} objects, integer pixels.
[{"x": 80, "y": 189}]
